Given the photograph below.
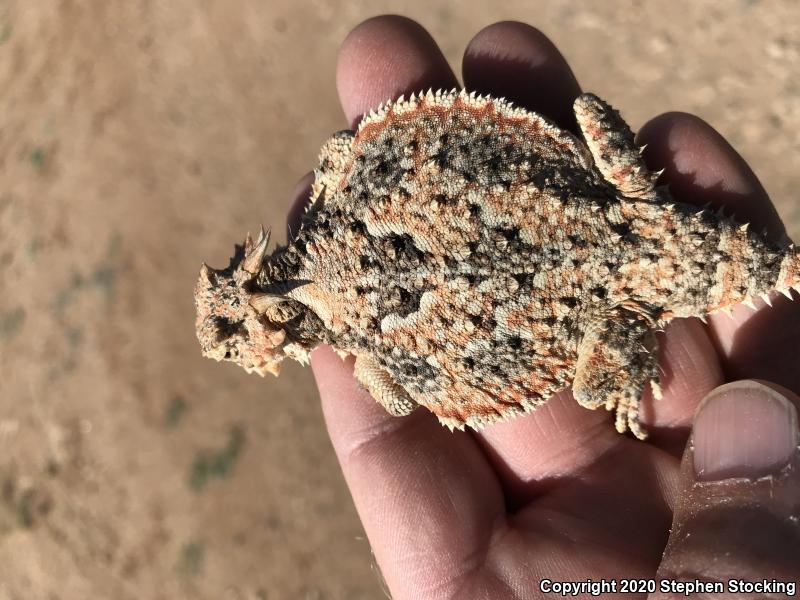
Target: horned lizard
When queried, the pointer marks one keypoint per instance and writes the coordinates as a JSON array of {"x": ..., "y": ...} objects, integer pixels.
[{"x": 476, "y": 258}]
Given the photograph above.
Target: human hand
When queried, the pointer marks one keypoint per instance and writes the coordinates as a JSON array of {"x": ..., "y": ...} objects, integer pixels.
[{"x": 557, "y": 494}]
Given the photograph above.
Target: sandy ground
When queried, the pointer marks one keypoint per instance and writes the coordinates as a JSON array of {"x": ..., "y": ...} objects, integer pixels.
[{"x": 139, "y": 137}]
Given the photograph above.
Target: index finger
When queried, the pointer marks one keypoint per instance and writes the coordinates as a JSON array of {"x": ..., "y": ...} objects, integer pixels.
[
  {"x": 427, "y": 497},
  {"x": 385, "y": 57}
]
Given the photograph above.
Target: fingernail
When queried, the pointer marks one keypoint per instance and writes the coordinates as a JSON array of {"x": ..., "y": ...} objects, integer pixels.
[{"x": 743, "y": 429}]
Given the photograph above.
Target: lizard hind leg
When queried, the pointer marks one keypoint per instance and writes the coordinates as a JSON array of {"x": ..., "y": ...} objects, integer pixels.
[
  {"x": 382, "y": 386},
  {"x": 611, "y": 143},
  {"x": 616, "y": 359}
]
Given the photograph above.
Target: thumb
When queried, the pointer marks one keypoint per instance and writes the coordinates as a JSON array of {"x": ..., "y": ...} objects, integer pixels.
[{"x": 737, "y": 520}]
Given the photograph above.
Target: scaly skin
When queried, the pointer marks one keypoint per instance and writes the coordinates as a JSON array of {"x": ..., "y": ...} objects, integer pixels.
[{"x": 475, "y": 258}]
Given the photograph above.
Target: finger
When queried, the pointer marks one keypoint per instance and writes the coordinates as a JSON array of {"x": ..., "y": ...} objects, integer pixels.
[
  {"x": 385, "y": 57},
  {"x": 702, "y": 167},
  {"x": 737, "y": 515},
  {"x": 427, "y": 497},
  {"x": 689, "y": 369},
  {"x": 518, "y": 62}
]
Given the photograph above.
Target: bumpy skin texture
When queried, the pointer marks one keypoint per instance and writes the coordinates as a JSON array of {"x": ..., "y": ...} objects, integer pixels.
[{"x": 475, "y": 258}]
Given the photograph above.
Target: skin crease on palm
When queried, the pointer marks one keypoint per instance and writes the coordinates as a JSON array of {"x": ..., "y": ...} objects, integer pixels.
[{"x": 557, "y": 493}]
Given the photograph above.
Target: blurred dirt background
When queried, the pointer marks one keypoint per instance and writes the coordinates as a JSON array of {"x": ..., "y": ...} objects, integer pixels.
[{"x": 140, "y": 137}]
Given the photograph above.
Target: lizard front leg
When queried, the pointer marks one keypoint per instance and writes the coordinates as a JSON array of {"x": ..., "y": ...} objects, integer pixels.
[{"x": 382, "y": 386}]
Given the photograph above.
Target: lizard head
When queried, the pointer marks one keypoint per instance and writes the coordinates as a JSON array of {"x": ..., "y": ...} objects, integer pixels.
[{"x": 233, "y": 317}]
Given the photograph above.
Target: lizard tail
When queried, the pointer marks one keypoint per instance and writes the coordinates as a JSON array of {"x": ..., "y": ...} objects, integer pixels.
[{"x": 750, "y": 266}]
